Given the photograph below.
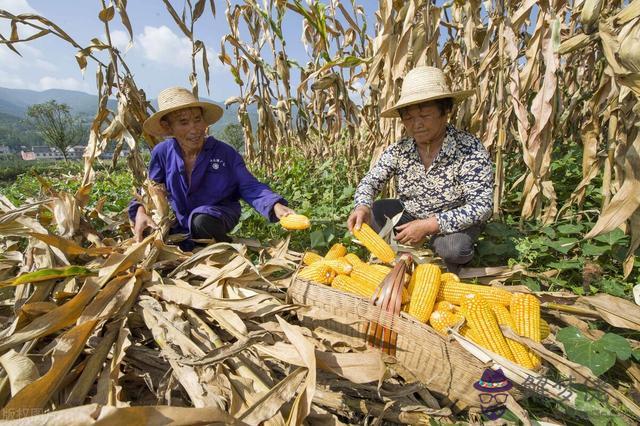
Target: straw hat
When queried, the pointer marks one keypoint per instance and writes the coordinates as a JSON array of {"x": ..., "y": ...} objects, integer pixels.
[
  {"x": 423, "y": 84},
  {"x": 175, "y": 98}
]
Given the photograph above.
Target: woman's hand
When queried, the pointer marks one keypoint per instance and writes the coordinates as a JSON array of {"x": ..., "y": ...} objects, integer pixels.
[
  {"x": 414, "y": 232},
  {"x": 280, "y": 210},
  {"x": 360, "y": 215},
  {"x": 143, "y": 221}
]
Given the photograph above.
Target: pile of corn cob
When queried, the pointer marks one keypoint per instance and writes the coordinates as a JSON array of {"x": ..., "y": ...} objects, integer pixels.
[{"x": 437, "y": 298}]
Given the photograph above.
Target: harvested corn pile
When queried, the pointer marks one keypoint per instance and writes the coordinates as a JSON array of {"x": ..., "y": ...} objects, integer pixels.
[
  {"x": 442, "y": 301},
  {"x": 130, "y": 332}
]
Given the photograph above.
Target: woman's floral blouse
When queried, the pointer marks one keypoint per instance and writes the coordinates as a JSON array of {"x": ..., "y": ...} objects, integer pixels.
[{"x": 457, "y": 188}]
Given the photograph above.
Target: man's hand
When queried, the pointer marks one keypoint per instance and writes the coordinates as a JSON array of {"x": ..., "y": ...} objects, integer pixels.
[
  {"x": 360, "y": 215},
  {"x": 414, "y": 232},
  {"x": 143, "y": 221},
  {"x": 280, "y": 210}
]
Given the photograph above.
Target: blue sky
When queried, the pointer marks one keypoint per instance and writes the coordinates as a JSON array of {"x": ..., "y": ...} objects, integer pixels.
[{"x": 160, "y": 56}]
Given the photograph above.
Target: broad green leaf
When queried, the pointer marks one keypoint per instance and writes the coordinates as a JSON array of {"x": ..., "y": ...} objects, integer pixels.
[
  {"x": 549, "y": 232},
  {"x": 317, "y": 239},
  {"x": 611, "y": 237},
  {"x": 570, "y": 229},
  {"x": 593, "y": 403},
  {"x": 594, "y": 250},
  {"x": 618, "y": 344},
  {"x": 563, "y": 245},
  {"x": 585, "y": 351},
  {"x": 613, "y": 287},
  {"x": 532, "y": 284},
  {"x": 48, "y": 274},
  {"x": 636, "y": 354},
  {"x": 567, "y": 264}
]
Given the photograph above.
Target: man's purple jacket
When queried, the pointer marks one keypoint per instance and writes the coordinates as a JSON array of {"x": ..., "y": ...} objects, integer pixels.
[{"x": 219, "y": 179}]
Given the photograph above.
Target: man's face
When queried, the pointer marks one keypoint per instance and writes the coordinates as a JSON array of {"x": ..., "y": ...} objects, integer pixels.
[{"x": 187, "y": 126}]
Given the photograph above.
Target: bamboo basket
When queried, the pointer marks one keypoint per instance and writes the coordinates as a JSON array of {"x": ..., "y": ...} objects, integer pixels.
[{"x": 443, "y": 366}]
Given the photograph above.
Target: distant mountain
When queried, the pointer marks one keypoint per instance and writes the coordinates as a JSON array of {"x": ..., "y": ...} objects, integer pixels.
[{"x": 15, "y": 102}]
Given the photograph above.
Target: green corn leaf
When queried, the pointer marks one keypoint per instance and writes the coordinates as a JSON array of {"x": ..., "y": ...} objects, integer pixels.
[{"x": 48, "y": 274}]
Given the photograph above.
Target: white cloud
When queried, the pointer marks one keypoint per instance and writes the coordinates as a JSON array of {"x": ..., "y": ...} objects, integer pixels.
[
  {"x": 16, "y": 7},
  {"x": 119, "y": 39},
  {"x": 11, "y": 80},
  {"x": 31, "y": 58},
  {"x": 162, "y": 45}
]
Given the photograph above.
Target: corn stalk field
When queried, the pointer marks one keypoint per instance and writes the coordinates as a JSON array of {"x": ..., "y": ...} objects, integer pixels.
[{"x": 98, "y": 329}]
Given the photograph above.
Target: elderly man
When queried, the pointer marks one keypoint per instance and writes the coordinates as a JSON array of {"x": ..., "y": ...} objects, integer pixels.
[{"x": 204, "y": 178}]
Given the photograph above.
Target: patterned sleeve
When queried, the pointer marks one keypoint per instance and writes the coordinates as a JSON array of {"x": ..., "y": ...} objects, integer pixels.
[
  {"x": 379, "y": 174},
  {"x": 477, "y": 177}
]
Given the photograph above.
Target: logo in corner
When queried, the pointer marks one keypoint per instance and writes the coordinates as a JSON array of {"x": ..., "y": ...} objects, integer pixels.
[{"x": 493, "y": 387}]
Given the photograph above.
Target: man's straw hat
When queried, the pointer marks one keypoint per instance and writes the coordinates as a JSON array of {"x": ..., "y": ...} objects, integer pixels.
[
  {"x": 175, "y": 98},
  {"x": 423, "y": 84}
]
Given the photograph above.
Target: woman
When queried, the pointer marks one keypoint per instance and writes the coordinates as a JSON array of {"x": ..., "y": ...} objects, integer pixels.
[
  {"x": 444, "y": 177},
  {"x": 203, "y": 177}
]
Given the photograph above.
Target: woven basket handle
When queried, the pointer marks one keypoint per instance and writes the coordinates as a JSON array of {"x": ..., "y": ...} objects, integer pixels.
[{"x": 388, "y": 297}]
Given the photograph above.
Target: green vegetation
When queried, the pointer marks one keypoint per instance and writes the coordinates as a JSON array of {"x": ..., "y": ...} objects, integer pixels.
[{"x": 320, "y": 192}]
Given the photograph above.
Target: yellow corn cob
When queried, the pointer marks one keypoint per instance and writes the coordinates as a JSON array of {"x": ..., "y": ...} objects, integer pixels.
[
  {"x": 525, "y": 311},
  {"x": 374, "y": 243},
  {"x": 366, "y": 274},
  {"x": 380, "y": 268},
  {"x": 443, "y": 305},
  {"x": 386, "y": 270},
  {"x": 441, "y": 320},
  {"x": 519, "y": 351},
  {"x": 295, "y": 222},
  {"x": 449, "y": 276},
  {"x": 349, "y": 285},
  {"x": 544, "y": 329},
  {"x": 317, "y": 272},
  {"x": 412, "y": 283},
  {"x": 353, "y": 259},
  {"x": 311, "y": 257},
  {"x": 469, "y": 333},
  {"x": 339, "y": 266},
  {"x": 425, "y": 291},
  {"x": 483, "y": 321},
  {"x": 455, "y": 292},
  {"x": 337, "y": 250}
]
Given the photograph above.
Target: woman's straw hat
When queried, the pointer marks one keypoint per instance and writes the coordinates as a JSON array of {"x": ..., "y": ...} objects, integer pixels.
[
  {"x": 175, "y": 98},
  {"x": 423, "y": 84}
]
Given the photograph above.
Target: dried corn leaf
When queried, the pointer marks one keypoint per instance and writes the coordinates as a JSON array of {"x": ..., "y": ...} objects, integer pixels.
[
  {"x": 360, "y": 367},
  {"x": 267, "y": 406},
  {"x": 94, "y": 414},
  {"x": 615, "y": 310},
  {"x": 305, "y": 350},
  {"x": 20, "y": 369},
  {"x": 69, "y": 247},
  {"x": 55, "y": 320},
  {"x": 36, "y": 395}
]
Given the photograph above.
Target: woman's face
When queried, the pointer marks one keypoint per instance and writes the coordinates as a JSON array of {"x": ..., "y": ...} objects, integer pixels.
[
  {"x": 424, "y": 122},
  {"x": 187, "y": 126}
]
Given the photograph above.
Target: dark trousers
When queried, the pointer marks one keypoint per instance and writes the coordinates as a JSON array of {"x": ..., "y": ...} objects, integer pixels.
[
  {"x": 204, "y": 226},
  {"x": 455, "y": 249}
]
